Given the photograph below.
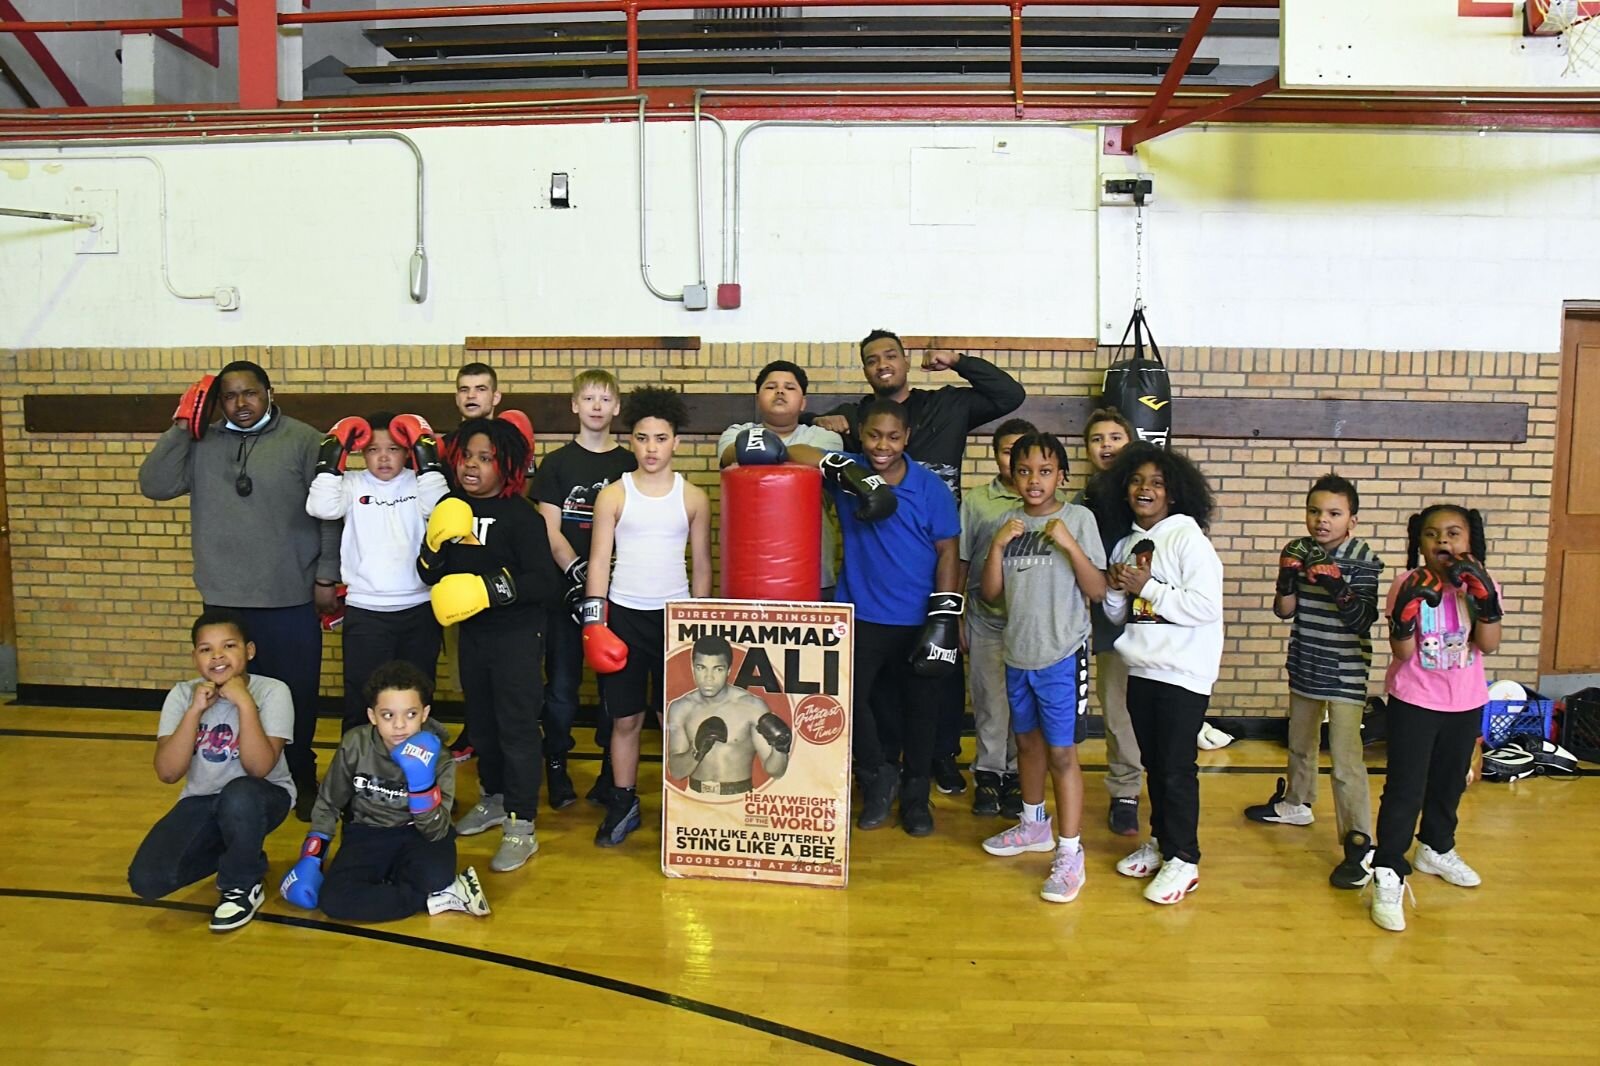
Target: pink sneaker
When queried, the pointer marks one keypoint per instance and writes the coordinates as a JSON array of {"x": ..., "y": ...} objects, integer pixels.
[
  {"x": 1066, "y": 878},
  {"x": 1024, "y": 836}
]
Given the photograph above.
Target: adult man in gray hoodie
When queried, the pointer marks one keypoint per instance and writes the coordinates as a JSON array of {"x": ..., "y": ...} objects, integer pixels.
[{"x": 256, "y": 551}]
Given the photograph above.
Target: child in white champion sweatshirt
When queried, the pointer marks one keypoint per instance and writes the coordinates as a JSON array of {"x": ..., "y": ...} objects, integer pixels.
[
  {"x": 1165, "y": 582},
  {"x": 385, "y": 508}
]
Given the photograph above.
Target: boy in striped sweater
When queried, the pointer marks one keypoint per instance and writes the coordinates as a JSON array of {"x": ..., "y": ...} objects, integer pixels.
[{"x": 1328, "y": 585}]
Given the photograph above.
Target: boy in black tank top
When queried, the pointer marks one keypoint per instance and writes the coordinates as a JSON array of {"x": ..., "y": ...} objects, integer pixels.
[{"x": 623, "y": 639}]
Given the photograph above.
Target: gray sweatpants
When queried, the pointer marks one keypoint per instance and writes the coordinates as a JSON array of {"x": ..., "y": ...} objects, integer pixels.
[{"x": 991, "y": 708}]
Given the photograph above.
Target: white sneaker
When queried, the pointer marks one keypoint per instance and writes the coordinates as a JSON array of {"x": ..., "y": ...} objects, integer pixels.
[
  {"x": 463, "y": 894},
  {"x": 1388, "y": 890},
  {"x": 488, "y": 812},
  {"x": 1449, "y": 866},
  {"x": 1141, "y": 863},
  {"x": 1175, "y": 880}
]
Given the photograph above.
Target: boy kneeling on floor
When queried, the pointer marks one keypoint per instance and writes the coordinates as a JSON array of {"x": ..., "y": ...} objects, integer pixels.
[{"x": 393, "y": 791}]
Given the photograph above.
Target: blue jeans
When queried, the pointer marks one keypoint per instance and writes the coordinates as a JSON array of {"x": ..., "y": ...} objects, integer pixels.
[{"x": 218, "y": 834}]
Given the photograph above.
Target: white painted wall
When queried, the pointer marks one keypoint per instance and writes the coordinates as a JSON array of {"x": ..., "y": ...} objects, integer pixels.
[
  {"x": 841, "y": 227},
  {"x": 1263, "y": 238}
]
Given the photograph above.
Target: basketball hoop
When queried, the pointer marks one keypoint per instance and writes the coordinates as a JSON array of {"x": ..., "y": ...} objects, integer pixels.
[{"x": 1575, "y": 23}]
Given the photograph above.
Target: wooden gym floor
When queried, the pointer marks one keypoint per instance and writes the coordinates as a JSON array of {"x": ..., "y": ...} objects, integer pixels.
[{"x": 936, "y": 953}]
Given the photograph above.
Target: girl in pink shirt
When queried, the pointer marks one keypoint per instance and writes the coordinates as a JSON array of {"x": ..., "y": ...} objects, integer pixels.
[{"x": 1444, "y": 617}]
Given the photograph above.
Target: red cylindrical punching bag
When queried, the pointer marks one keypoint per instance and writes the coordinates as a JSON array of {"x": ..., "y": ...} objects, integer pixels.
[{"x": 772, "y": 532}]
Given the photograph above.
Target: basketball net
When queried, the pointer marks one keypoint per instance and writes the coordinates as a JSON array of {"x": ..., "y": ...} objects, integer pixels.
[{"x": 1579, "y": 32}]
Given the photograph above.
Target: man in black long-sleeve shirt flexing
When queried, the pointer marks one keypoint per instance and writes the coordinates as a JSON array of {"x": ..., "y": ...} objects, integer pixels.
[{"x": 940, "y": 422}]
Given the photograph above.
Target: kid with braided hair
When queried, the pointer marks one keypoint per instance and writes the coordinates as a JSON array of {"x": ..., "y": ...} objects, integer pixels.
[
  {"x": 1444, "y": 617},
  {"x": 486, "y": 554}
]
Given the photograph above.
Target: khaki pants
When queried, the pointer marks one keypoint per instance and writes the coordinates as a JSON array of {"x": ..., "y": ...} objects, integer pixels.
[
  {"x": 1122, "y": 748},
  {"x": 1352, "y": 803},
  {"x": 996, "y": 749}
]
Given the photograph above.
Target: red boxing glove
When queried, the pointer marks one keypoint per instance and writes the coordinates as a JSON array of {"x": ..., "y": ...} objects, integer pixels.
[
  {"x": 1420, "y": 586},
  {"x": 413, "y": 433},
  {"x": 525, "y": 427},
  {"x": 1469, "y": 574},
  {"x": 347, "y": 435},
  {"x": 333, "y": 621},
  {"x": 602, "y": 649},
  {"x": 353, "y": 432},
  {"x": 194, "y": 407}
]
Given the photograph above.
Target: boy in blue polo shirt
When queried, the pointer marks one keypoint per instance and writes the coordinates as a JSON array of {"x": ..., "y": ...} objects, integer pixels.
[{"x": 901, "y": 569}]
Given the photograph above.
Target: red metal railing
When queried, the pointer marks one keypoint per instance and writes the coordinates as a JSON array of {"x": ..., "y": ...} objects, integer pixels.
[{"x": 258, "y": 20}]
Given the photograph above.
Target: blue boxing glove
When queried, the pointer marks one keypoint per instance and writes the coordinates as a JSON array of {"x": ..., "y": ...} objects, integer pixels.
[
  {"x": 759, "y": 446},
  {"x": 303, "y": 883},
  {"x": 418, "y": 757}
]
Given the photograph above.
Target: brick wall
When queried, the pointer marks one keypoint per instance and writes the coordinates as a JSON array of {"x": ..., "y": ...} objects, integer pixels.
[{"x": 101, "y": 575}]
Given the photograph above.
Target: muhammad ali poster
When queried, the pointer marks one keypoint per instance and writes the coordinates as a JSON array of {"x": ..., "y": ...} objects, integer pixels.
[{"x": 756, "y": 755}]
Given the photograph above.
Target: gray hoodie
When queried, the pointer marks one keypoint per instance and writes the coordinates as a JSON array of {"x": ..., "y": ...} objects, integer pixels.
[
  {"x": 260, "y": 550},
  {"x": 367, "y": 787}
]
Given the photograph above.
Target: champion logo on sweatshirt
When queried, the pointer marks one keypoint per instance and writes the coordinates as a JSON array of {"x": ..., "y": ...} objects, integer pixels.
[{"x": 373, "y": 500}]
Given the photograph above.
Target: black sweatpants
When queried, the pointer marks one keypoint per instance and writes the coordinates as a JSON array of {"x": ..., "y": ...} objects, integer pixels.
[
  {"x": 372, "y": 638},
  {"x": 500, "y": 678},
  {"x": 893, "y": 706},
  {"x": 383, "y": 875},
  {"x": 288, "y": 644},
  {"x": 951, "y": 695},
  {"x": 1429, "y": 755},
  {"x": 1166, "y": 719}
]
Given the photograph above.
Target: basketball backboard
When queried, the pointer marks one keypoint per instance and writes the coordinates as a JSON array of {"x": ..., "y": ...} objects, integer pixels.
[{"x": 1428, "y": 44}]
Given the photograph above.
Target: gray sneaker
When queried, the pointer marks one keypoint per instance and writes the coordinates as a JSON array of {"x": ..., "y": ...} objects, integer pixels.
[
  {"x": 487, "y": 813},
  {"x": 517, "y": 846}
]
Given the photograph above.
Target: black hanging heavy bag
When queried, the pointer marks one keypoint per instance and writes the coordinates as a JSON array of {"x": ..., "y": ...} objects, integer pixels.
[{"x": 1137, "y": 384}]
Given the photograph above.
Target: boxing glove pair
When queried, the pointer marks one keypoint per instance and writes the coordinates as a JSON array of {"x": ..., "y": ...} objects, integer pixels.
[
  {"x": 759, "y": 446},
  {"x": 352, "y": 434}
]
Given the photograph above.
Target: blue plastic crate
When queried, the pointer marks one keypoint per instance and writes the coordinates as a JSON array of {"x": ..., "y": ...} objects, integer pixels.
[{"x": 1504, "y": 719}]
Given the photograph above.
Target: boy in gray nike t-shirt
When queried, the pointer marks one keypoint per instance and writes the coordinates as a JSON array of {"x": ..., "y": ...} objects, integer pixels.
[{"x": 1045, "y": 560}]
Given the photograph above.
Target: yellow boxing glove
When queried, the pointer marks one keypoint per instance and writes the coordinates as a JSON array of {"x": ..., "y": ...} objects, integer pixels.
[{"x": 451, "y": 520}]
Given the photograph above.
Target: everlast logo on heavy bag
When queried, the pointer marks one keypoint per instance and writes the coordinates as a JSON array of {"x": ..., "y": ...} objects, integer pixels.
[{"x": 1137, "y": 385}]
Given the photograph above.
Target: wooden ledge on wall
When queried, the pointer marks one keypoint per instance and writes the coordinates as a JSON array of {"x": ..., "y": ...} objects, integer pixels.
[
  {"x": 1196, "y": 418},
  {"x": 1001, "y": 344},
  {"x": 580, "y": 344}
]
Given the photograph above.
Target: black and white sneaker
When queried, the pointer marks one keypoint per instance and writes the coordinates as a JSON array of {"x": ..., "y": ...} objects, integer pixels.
[
  {"x": 1122, "y": 818},
  {"x": 986, "y": 793},
  {"x": 236, "y": 908},
  {"x": 947, "y": 776},
  {"x": 1279, "y": 810},
  {"x": 1356, "y": 868}
]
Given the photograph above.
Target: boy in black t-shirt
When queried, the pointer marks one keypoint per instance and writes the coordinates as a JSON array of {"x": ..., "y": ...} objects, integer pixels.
[{"x": 564, "y": 491}]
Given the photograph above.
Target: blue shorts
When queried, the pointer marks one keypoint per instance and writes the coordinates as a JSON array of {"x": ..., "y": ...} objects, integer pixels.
[{"x": 1053, "y": 700}]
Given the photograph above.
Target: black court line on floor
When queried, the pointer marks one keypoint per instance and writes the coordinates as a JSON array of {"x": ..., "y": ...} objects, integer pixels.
[
  {"x": 64, "y": 734},
  {"x": 496, "y": 958}
]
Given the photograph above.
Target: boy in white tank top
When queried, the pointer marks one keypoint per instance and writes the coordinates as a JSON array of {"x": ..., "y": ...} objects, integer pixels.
[{"x": 642, "y": 521}]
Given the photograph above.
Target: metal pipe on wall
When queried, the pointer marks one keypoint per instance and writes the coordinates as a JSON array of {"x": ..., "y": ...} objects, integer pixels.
[{"x": 418, "y": 273}]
